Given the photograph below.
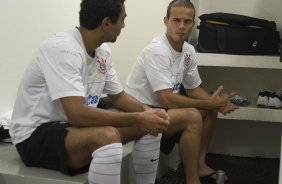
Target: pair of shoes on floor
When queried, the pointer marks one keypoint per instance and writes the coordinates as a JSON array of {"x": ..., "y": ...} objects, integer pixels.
[
  {"x": 240, "y": 101},
  {"x": 268, "y": 99},
  {"x": 211, "y": 178}
]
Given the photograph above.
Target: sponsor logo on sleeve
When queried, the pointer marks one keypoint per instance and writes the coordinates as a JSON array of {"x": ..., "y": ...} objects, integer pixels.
[
  {"x": 176, "y": 88},
  {"x": 92, "y": 100}
]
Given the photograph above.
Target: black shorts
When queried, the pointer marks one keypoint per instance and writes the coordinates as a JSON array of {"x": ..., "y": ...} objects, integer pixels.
[
  {"x": 167, "y": 144},
  {"x": 46, "y": 148},
  {"x": 105, "y": 103}
]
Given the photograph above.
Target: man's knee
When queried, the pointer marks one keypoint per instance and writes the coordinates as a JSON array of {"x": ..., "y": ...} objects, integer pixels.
[
  {"x": 194, "y": 114},
  {"x": 190, "y": 118},
  {"x": 109, "y": 135},
  {"x": 194, "y": 119}
]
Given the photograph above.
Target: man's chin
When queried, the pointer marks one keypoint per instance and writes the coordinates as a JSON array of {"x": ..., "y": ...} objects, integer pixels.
[
  {"x": 114, "y": 40},
  {"x": 180, "y": 38},
  {"x": 184, "y": 38}
]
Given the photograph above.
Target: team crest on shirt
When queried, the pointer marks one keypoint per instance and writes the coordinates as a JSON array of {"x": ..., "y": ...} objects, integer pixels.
[
  {"x": 102, "y": 66},
  {"x": 187, "y": 58}
]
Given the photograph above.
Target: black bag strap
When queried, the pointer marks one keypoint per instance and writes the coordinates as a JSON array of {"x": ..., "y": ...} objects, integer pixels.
[{"x": 239, "y": 19}]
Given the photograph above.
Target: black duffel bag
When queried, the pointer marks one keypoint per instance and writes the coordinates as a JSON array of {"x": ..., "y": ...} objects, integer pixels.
[{"x": 237, "y": 34}]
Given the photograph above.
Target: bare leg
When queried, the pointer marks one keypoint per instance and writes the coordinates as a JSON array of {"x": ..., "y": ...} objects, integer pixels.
[
  {"x": 209, "y": 119},
  {"x": 188, "y": 122},
  {"x": 82, "y": 142},
  {"x": 130, "y": 133}
]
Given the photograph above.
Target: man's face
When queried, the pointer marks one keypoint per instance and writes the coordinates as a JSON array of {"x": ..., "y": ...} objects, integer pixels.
[
  {"x": 179, "y": 24},
  {"x": 116, "y": 28}
]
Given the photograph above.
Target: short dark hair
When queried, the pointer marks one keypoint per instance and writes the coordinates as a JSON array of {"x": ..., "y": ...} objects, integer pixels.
[
  {"x": 179, "y": 3},
  {"x": 92, "y": 12}
]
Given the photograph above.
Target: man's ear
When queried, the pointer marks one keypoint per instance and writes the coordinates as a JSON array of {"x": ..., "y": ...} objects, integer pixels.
[
  {"x": 165, "y": 20},
  {"x": 106, "y": 22}
]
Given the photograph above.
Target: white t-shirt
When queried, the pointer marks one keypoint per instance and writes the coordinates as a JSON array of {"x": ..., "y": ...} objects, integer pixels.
[
  {"x": 61, "y": 67},
  {"x": 160, "y": 67}
]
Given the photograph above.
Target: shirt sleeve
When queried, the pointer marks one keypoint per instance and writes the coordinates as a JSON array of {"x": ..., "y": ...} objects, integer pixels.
[
  {"x": 158, "y": 70},
  {"x": 112, "y": 84},
  {"x": 62, "y": 71},
  {"x": 192, "y": 77}
]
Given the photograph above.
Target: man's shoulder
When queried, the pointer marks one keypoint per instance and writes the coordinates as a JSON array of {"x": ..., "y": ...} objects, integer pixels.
[
  {"x": 65, "y": 40},
  {"x": 188, "y": 46},
  {"x": 158, "y": 46},
  {"x": 104, "y": 48}
]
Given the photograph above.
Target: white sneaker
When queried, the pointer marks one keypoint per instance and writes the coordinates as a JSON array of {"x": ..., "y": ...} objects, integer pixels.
[
  {"x": 263, "y": 98},
  {"x": 275, "y": 100}
]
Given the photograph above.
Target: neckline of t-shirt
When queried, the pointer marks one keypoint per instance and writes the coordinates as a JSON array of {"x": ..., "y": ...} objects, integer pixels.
[
  {"x": 174, "y": 52},
  {"x": 80, "y": 41}
]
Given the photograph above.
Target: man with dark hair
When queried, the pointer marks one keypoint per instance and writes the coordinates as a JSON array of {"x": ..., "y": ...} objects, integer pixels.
[
  {"x": 161, "y": 68},
  {"x": 56, "y": 123}
]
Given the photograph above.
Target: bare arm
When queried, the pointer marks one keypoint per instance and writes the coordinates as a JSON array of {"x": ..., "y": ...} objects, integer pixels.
[
  {"x": 84, "y": 116},
  {"x": 127, "y": 103},
  {"x": 80, "y": 115},
  {"x": 201, "y": 93},
  {"x": 198, "y": 98},
  {"x": 168, "y": 99},
  {"x": 198, "y": 93}
]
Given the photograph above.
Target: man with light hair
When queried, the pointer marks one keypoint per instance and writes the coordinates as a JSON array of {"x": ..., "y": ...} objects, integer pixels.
[{"x": 165, "y": 64}]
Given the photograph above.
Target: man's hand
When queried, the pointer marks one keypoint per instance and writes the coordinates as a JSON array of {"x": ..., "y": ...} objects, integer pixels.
[
  {"x": 218, "y": 101},
  {"x": 154, "y": 121},
  {"x": 230, "y": 107}
]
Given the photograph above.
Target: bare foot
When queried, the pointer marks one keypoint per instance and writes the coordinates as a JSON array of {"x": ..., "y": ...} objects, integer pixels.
[{"x": 206, "y": 171}]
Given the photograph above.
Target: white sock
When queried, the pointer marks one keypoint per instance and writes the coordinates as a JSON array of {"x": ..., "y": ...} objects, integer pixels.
[
  {"x": 106, "y": 165},
  {"x": 146, "y": 158}
]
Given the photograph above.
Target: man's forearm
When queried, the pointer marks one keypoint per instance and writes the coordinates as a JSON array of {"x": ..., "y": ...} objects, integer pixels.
[
  {"x": 128, "y": 103},
  {"x": 178, "y": 101},
  {"x": 198, "y": 93},
  {"x": 91, "y": 117}
]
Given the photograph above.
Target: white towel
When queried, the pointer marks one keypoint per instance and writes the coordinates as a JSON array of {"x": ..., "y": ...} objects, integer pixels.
[{"x": 5, "y": 120}]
